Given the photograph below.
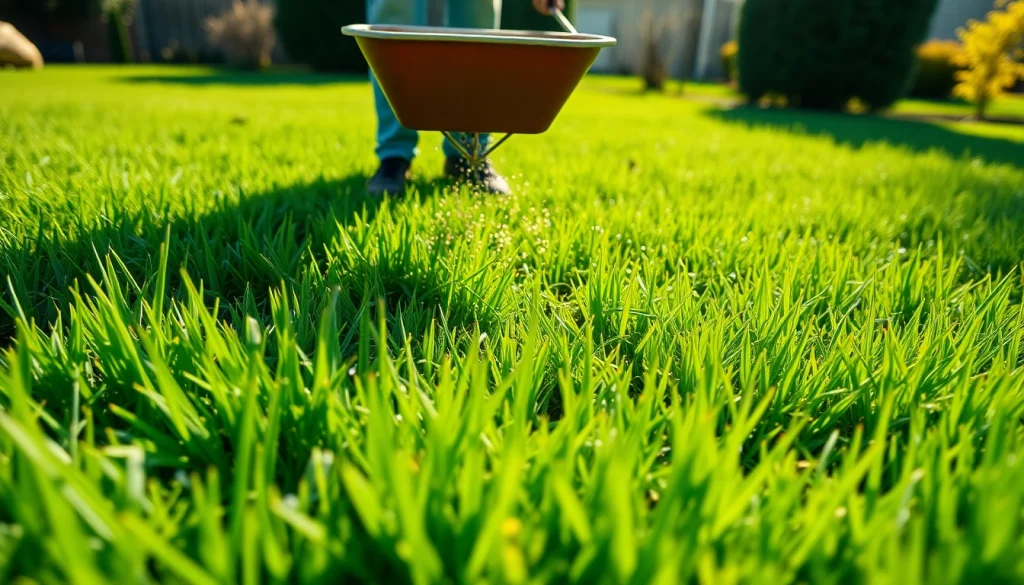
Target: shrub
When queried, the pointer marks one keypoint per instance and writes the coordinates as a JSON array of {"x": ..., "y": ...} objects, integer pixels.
[
  {"x": 652, "y": 44},
  {"x": 729, "y": 54},
  {"x": 823, "y": 54},
  {"x": 935, "y": 74},
  {"x": 657, "y": 45},
  {"x": 311, "y": 33},
  {"x": 653, "y": 64},
  {"x": 991, "y": 56},
  {"x": 245, "y": 33}
]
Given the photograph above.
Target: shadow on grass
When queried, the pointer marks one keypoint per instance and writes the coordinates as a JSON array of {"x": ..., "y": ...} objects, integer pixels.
[
  {"x": 237, "y": 247},
  {"x": 858, "y": 131},
  {"x": 248, "y": 78}
]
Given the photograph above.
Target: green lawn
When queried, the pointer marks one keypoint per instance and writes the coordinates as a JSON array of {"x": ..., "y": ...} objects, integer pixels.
[
  {"x": 1009, "y": 107},
  {"x": 697, "y": 344}
]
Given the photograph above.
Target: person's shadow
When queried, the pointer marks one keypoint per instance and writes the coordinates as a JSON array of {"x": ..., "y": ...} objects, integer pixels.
[
  {"x": 858, "y": 131},
  {"x": 235, "y": 247}
]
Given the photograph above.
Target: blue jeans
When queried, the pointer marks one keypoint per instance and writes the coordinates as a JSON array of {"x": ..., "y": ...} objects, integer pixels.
[{"x": 394, "y": 140}]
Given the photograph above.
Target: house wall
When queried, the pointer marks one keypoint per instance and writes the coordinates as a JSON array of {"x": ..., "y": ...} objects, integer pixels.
[
  {"x": 952, "y": 14},
  {"x": 625, "y": 20},
  {"x": 599, "y": 20}
]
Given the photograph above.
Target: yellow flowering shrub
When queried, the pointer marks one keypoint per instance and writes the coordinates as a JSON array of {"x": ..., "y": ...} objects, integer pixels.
[{"x": 992, "y": 51}]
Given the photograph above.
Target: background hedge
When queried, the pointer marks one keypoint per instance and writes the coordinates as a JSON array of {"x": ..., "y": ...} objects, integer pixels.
[{"x": 821, "y": 54}]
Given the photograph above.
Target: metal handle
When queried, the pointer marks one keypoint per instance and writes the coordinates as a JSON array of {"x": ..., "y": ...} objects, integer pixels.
[{"x": 562, "y": 20}]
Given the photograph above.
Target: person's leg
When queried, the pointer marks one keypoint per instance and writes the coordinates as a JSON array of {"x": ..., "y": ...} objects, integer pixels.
[
  {"x": 393, "y": 140},
  {"x": 472, "y": 14}
]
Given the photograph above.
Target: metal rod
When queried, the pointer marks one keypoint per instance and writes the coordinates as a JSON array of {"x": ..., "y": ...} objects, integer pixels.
[
  {"x": 497, "y": 144},
  {"x": 458, "y": 145},
  {"x": 474, "y": 158},
  {"x": 563, "y": 21}
]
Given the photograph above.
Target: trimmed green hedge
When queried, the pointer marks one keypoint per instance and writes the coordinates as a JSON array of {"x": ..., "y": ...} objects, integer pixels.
[{"x": 821, "y": 54}]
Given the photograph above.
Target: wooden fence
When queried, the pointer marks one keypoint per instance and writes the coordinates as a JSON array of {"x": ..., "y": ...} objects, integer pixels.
[
  {"x": 693, "y": 33},
  {"x": 173, "y": 30}
]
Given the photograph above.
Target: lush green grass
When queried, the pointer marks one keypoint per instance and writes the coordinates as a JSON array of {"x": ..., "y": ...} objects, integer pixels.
[
  {"x": 1008, "y": 112},
  {"x": 695, "y": 346},
  {"x": 1008, "y": 107}
]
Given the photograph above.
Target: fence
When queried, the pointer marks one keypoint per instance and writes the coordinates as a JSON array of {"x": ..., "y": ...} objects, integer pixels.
[
  {"x": 718, "y": 27},
  {"x": 952, "y": 14},
  {"x": 678, "y": 23},
  {"x": 172, "y": 30},
  {"x": 695, "y": 31}
]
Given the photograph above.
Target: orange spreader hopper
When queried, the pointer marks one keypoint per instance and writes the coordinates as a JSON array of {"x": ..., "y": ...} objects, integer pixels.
[{"x": 474, "y": 81}]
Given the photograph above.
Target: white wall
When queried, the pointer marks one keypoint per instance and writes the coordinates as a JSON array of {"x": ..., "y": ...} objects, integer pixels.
[
  {"x": 598, "y": 21},
  {"x": 624, "y": 20},
  {"x": 952, "y": 14}
]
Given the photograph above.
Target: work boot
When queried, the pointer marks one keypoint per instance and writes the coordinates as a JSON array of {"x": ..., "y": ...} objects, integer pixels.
[
  {"x": 390, "y": 177},
  {"x": 483, "y": 177}
]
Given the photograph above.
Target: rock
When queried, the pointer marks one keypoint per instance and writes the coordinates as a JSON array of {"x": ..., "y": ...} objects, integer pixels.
[{"x": 16, "y": 50}]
